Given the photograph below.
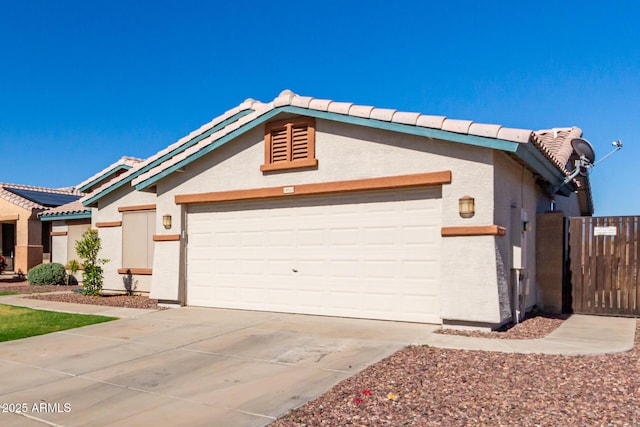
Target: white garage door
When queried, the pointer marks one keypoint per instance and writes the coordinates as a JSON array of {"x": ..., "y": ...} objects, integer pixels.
[{"x": 370, "y": 254}]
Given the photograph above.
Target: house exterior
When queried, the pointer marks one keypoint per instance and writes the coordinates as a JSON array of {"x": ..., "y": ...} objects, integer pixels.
[
  {"x": 25, "y": 240},
  {"x": 313, "y": 206},
  {"x": 68, "y": 222}
]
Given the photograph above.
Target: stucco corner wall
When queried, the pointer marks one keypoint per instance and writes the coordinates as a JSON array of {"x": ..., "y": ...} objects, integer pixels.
[
  {"x": 167, "y": 269},
  {"x": 518, "y": 198},
  {"x": 469, "y": 281}
]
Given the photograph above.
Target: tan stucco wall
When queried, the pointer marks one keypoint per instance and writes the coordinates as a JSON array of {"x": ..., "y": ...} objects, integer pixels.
[
  {"x": 517, "y": 199},
  {"x": 346, "y": 152},
  {"x": 28, "y": 244},
  {"x": 112, "y": 236},
  {"x": 516, "y": 189}
]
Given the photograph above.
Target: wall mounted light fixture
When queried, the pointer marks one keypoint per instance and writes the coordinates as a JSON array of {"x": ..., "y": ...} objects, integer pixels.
[
  {"x": 466, "y": 206},
  {"x": 166, "y": 221}
]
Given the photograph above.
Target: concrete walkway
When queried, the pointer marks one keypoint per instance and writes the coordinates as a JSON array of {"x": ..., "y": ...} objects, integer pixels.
[
  {"x": 65, "y": 307},
  {"x": 580, "y": 335}
]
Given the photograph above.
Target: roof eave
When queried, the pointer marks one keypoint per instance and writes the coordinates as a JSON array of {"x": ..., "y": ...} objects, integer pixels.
[
  {"x": 530, "y": 155},
  {"x": 64, "y": 216},
  {"x": 111, "y": 171},
  {"x": 92, "y": 201},
  {"x": 493, "y": 143}
]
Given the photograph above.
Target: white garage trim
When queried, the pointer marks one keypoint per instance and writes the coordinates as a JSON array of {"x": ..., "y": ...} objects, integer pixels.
[{"x": 373, "y": 254}]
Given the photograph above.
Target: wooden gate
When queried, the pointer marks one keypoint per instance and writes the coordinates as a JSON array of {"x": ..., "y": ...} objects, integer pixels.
[{"x": 603, "y": 257}]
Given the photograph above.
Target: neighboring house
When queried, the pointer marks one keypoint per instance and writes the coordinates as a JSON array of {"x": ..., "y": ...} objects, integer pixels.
[
  {"x": 25, "y": 240},
  {"x": 311, "y": 206},
  {"x": 69, "y": 221}
]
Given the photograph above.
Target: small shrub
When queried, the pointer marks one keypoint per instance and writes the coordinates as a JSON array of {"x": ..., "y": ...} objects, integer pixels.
[
  {"x": 88, "y": 249},
  {"x": 47, "y": 274},
  {"x": 73, "y": 266}
]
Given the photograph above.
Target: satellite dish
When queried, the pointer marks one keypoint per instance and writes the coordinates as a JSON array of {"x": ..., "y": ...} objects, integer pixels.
[
  {"x": 584, "y": 149},
  {"x": 583, "y": 165}
]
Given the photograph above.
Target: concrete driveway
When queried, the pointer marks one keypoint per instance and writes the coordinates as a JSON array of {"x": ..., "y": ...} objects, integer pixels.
[{"x": 188, "y": 366}]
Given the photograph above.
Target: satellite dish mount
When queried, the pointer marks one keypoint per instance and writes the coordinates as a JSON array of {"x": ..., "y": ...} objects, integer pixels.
[{"x": 586, "y": 160}]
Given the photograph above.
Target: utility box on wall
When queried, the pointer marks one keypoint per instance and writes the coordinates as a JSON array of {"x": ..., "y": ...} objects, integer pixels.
[{"x": 550, "y": 244}]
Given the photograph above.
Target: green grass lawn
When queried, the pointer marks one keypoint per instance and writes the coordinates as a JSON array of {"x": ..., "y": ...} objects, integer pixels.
[
  {"x": 22, "y": 322},
  {"x": 8, "y": 293}
]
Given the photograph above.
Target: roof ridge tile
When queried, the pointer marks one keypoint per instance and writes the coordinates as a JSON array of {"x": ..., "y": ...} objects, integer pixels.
[
  {"x": 361, "y": 111},
  {"x": 457, "y": 125},
  {"x": 433, "y": 122},
  {"x": 405, "y": 118},
  {"x": 383, "y": 114},
  {"x": 340, "y": 107}
]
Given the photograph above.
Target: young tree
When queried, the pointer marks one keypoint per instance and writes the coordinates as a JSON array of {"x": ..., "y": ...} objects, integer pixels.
[{"x": 92, "y": 274}]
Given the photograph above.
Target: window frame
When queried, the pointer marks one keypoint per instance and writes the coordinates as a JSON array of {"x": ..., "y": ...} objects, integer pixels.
[
  {"x": 149, "y": 246},
  {"x": 288, "y": 124}
]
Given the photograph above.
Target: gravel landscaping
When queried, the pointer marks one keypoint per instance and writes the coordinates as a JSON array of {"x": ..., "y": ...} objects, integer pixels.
[
  {"x": 423, "y": 386},
  {"x": 534, "y": 325},
  {"x": 25, "y": 288},
  {"x": 129, "y": 301}
]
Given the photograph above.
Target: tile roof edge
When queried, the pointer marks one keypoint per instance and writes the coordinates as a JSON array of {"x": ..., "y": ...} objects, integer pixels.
[
  {"x": 289, "y": 98},
  {"x": 123, "y": 161},
  {"x": 247, "y": 104}
]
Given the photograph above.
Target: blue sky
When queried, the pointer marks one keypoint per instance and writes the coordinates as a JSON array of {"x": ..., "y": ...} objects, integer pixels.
[{"x": 83, "y": 83}]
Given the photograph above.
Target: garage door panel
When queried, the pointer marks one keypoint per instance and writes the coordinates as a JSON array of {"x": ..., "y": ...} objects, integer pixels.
[{"x": 373, "y": 255}]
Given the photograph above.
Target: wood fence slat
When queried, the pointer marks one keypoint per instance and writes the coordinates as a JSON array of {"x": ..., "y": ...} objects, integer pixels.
[
  {"x": 636, "y": 260},
  {"x": 596, "y": 261},
  {"x": 613, "y": 267},
  {"x": 588, "y": 293},
  {"x": 621, "y": 256},
  {"x": 623, "y": 278},
  {"x": 607, "y": 268},
  {"x": 576, "y": 258}
]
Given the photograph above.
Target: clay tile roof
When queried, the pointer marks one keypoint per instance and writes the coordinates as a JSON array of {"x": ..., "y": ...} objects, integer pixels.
[
  {"x": 555, "y": 144},
  {"x": 124, "y": 161},
  {"x": 77, "y": 206},
  {"x": 69, "y": 208},
  {"x": 552, "y": 143}
]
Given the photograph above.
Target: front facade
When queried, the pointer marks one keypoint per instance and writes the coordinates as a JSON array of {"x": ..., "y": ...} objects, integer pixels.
[{"x": 318, "y": 207}]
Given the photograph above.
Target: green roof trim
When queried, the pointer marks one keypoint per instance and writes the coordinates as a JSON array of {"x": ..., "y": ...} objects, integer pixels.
[
  {"x": 498, "y": 144},
  {"x": 166, "y": 156},
  {"x": 63, "y": 216},
  {"x": 113, "y": 170},
  {"x": 532, "y": 156},
  {"x": 209, "y": 148},
  {"x": 481, "y": 141}
]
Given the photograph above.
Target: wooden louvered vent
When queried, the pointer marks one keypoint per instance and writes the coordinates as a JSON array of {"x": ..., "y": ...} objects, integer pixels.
[{"x": 290, "y": 144}]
